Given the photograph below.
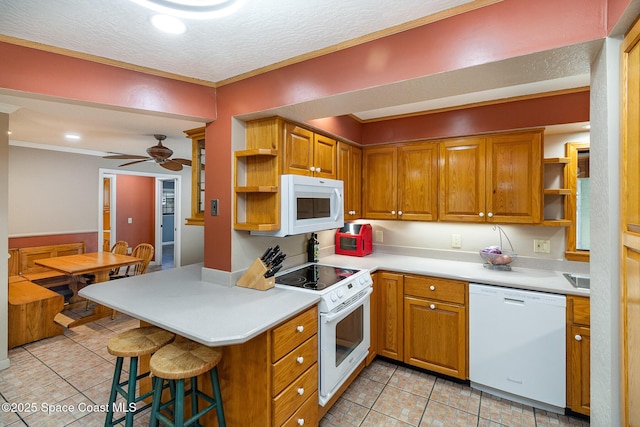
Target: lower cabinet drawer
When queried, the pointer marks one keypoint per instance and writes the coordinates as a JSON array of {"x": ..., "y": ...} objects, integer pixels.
[
  {"x": 292, "y": 397},
  {"x": 294, "y": 364},
  {"x": 294, "y": 332},
  {"x": 306, "y": 415}
]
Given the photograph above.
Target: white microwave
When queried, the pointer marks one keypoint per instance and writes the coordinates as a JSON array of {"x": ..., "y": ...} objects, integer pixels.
[{"x": 308, "y": 204}]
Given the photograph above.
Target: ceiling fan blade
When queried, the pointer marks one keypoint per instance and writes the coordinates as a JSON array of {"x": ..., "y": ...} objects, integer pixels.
[
  {"x": 184, "y": 162},
  {"x": 171, "y": 165},
  {"x": 125, "y": 156},
  {"x": 146, "y": 159}
]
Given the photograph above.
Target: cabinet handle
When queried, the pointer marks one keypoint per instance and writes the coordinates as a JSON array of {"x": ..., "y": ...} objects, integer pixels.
[
  {"x": 318, "y": 170},
  {"x": 490, "y": 214},
  {"x": 301, "y": 391},
  {"x": 312, "y": 169},
  {"x": 300, "y": 360},
  {"x": 578, "y": 338},
  {"x": 300, "y": 328},
  {"x": 481, "y": 214},
  {"x": 433, "y": 288},
  {"x": 393, "y": 212},
  {"x": 399, "y": 212},
  {"x": 432, "y": 306},
  {"x": 300, "y": 421}
]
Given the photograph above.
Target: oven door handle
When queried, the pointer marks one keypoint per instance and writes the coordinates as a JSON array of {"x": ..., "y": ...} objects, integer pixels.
[{"x": 331, "y": 316}]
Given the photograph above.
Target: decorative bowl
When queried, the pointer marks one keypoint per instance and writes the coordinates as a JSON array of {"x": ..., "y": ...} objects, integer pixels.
[{"x": 502, "y": 258}]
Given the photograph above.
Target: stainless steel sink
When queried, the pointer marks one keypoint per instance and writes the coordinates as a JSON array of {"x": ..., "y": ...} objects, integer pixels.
[{"x": 578, "y": 280}]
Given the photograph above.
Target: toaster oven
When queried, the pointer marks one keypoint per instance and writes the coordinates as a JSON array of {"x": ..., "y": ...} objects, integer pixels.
[{"x": 354, "y": 240}]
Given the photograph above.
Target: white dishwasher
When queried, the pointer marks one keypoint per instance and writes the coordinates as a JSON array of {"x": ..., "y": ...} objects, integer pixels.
[{"x": 517, "y": 345}]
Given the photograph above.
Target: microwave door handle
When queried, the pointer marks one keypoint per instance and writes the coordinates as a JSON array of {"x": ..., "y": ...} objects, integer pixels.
[
  {"x": 340, "y": 204},
  {"x": 330, "y": 317}
]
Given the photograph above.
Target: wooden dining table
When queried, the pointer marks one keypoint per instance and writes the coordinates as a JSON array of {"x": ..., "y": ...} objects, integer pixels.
[{"x": 76, "y": 266}]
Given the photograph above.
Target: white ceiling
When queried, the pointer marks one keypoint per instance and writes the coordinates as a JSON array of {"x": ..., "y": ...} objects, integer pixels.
[{"x": 261, "y": 33}]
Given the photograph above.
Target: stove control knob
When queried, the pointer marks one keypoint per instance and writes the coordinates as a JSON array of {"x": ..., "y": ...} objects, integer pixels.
[
  {"x": 333, "y": 297},
  {"x": 340, "y": 293}
]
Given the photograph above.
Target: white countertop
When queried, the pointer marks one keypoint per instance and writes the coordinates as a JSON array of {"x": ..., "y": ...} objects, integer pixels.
[
  {"x": 179, "y": 301},
  {"x": 522, "y": 278}
]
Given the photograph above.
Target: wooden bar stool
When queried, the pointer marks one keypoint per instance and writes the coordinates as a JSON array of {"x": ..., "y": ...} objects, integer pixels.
[
  {"x": 132, "y": 343},
  {"x": 175, "y": 363}
]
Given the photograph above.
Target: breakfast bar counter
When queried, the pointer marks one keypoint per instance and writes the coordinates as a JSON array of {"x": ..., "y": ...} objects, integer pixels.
[{"x": 215, "y": 315}]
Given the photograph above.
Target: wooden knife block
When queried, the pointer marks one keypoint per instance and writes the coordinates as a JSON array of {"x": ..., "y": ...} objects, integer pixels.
[{"x": 254, "y": 277}]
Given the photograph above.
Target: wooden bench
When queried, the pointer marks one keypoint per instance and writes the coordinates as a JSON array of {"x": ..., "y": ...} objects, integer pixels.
[
  {"x": 43, "y": 276},
  {"x": 32, "y": 310}
]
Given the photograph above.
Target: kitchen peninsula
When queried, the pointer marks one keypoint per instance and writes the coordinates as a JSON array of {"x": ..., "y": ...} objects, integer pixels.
[{"x": 256, "y": 330}]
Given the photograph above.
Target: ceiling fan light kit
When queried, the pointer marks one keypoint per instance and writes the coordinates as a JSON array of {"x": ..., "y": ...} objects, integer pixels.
[{"x": 158, "y": 153}]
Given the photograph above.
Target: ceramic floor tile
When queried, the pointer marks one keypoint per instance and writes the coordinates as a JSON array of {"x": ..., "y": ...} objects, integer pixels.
[
  {"x": 440, "y": 415},
  {"x": 379, "y": 370},
  {"x": 506, "y": 412},
  {"x": 550, "y": 419},
  {"x": 376, "y": 419},
  {"x": 458, "y": 395},
  {"x": 59, "y": 412},
  {"x": 344, "y": 413},
  {"x": 401, "y": 405},
  {"x": 363, "y": 391},
  {"x": 413, "y": 381}
]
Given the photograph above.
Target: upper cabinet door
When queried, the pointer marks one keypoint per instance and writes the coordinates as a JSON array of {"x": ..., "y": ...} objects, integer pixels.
[
  {"x": 462, "y": 180},
  {"x": 418, "y": 181},
  {"x": 298, "y": 150},
  {"x": 379, "y": 194},
  {"x": 514, "y": 178},
  {"x": 324, "y": 160}
]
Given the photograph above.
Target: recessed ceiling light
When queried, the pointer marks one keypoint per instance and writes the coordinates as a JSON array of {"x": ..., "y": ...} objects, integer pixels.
[
  {"x": 72, "y": 136},
  {"x": 192, "y": 9},
  {"x": 168, "y": 24}
]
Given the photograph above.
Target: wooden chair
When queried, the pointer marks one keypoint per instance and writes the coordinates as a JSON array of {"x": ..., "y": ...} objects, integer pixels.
[
  {"x": 144, "y": 251},
  {"x": 120, "y": 248}
]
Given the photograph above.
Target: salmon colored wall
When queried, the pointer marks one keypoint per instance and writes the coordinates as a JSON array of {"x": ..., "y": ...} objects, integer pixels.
[
  {"x": 503, "y": 30},
  {"x": 45, "y": 73},
  {"x": 500, "y": 31},
  {"x": 90, "y": 240},
  {"x": 568, "y": 108},
  {"x": 135, "y": 199},
  {"x": 615, "y": 9}
]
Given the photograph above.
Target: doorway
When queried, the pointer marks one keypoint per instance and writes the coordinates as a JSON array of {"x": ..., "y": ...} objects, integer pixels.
[{"x": 165, "y": 195}]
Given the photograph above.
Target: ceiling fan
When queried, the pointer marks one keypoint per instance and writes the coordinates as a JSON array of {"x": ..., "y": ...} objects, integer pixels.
[{"x": 158, "y": 153}]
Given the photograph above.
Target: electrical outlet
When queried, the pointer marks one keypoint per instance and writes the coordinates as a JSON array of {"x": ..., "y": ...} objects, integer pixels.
[
  {"x": 129, "y": 220},
  {"x": 379, "y": 236},
  {"x": 456, "y": 241},
  {"x": 542, "y": 246}
]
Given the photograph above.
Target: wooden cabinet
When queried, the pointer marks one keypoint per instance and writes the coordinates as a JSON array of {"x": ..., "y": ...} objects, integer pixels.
[
  {"x": 308, "y": 153},
  {"x": 349, "y": 170},
  {"x": 275, "y": 147},
  {"x": 578, "y": 354},
  {"x": 294, "y": 378},
  {"x": 373, "y": 320},
  {"x": 390, "y": 314},
  {"x": 197, "y": 175},
  {"x": 495, "y": 178},
  {"x": 400, "y": 182},
  {"x": 435, "y": 325}
]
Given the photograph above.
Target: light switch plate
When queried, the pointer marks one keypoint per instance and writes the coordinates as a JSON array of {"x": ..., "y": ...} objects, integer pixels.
[{"x": 456, "y": 241}]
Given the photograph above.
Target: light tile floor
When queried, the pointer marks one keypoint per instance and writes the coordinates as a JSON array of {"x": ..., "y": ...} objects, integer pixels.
[{"x": 75, "y": 369}]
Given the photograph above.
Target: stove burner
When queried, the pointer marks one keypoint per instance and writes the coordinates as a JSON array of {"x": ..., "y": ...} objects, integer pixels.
[
  {"x": 315, "y": 277},
  {"x": 316, "y": 286}
]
